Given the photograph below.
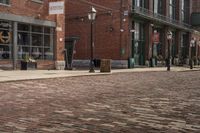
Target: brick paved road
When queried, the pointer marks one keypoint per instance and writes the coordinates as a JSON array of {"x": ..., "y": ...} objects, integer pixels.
[{"x": 150, "y": 102}]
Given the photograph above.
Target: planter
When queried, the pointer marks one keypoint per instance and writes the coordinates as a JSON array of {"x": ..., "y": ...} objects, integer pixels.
[
  {"x": 153, "y": 62},
  {"x": 176, "y": 61},
  {"x": 147, "y": 63},
  {"x": 28, "y": 65},
  {"x": 187, "y": 61},
  {"x": 160, "y": 63}
]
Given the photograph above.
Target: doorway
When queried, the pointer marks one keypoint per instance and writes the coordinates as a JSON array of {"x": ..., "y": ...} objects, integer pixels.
[{"x": 138, "y": 44}]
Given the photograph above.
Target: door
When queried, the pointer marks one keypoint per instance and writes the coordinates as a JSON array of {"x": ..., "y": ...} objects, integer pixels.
[{"x": 138, "y": 44}]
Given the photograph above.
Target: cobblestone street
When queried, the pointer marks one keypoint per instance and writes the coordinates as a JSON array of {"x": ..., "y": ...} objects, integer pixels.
[{"x": 150, "y": 102}]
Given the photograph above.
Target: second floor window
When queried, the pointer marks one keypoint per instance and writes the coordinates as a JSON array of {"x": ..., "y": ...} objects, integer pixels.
[
  {"x": 185, "y": 11},
  {"x": 172, "y": 9},
  {"x": 6, "y": 2},
  {"x": 158, "y": 6},
  {"x": 140, "y": 3}
]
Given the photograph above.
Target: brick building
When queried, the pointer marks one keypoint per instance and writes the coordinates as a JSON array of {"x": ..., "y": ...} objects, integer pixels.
[
  {"x": 195, "y": 22},
  {"x": 127, "y": 31},
  {"x": 27, "y": 30},
  {"x": 124, "y": 30}
]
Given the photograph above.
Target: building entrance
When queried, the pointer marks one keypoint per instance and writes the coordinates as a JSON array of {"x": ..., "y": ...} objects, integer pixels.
[{"x": 138, "y": 44}]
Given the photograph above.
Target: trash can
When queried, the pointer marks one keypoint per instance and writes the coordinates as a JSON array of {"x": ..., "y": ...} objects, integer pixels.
[
  {"x": 131, "y": 62},
  {"x": 97, "y": 62},
  {"x": 105, "y": 65}
]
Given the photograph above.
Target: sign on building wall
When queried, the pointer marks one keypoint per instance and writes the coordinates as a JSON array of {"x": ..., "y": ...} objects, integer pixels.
[{"x": 56, "y": 7}]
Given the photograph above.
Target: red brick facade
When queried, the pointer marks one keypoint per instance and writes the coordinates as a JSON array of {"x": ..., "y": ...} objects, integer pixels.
[
  {"x": 28, "y": 8},
  {"x": 109, "y": 41},
  {"x": 114, "y": 28},
  {"x": 39, "y": 11}
]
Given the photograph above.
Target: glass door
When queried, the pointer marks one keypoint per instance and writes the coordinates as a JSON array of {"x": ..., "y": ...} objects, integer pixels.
[{"x": 138, "y": 44}]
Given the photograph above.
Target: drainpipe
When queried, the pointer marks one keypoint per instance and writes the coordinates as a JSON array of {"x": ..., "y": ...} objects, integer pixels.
[{"x": 121, "y": 27}]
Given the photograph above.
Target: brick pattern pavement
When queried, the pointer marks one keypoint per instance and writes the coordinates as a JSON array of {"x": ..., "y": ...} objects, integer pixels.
[{"x": 153, "y": 102}]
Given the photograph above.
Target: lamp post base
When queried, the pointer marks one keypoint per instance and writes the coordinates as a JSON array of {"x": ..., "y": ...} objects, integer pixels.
[
  {"x": 191, "y": 64},
  {"x": 168, "y": 68}
]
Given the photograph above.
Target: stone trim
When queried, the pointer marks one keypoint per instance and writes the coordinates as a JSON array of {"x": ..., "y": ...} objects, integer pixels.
[
  {"x": 26, "y": 19},
  {"x": 114, "y": 63}
]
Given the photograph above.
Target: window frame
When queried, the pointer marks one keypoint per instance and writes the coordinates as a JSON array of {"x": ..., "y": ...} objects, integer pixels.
[
  {"x": 33, "y": 49},
  {"x": 172, "y": 9},
  {"x": 5, "y": 4}
]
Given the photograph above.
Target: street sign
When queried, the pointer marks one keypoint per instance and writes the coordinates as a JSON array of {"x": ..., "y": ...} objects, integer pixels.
[{"x": 56, "y": 7}]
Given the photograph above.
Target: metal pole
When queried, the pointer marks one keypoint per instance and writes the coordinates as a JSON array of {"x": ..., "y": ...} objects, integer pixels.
[
  {"x": 169, "y": 52},
  {"x": 14, "y": 45},
  {"x": 191, "y": 62},
  {"x": 91, "y": 50}
]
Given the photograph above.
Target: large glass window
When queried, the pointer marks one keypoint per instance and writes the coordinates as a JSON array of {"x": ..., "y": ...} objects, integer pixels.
[
  {"x": 5, "y": 39},
  {"x": 172, "y": 9},
  {"x": 138, "y": 43},
  {"x": 35, "y": 41},
  {"x": 5, "y": 2}
]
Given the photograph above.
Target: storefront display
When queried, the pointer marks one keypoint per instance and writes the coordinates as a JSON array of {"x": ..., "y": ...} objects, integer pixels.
[
  {"x": 5, "y": 40},
  {"x": 35, "y": 41}
]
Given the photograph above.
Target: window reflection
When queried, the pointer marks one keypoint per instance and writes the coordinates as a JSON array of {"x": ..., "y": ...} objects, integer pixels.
[{"x": 35, "y": 41}]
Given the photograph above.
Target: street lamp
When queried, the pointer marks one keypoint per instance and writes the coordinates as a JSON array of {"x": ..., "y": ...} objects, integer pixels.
[
  {"x": 192, "y": 44},
  {"x": 169, "y": 38},
  {"x": 92, "y": 17}
]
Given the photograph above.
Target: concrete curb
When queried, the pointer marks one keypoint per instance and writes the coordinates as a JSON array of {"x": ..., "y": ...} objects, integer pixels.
[{"x": 13, "y": 76}]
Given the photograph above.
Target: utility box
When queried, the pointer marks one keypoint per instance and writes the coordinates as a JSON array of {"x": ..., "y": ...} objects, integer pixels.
[{"x": 105, "y": 65}]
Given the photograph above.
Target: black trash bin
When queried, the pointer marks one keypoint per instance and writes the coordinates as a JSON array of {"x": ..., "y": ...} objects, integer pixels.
[{"x": 97, "y": 62}]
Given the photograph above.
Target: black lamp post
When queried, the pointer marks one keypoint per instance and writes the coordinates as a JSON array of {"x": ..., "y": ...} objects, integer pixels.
[
  {"x": 169, "y": 38},
  {"x": 92, "y": 17},
  {"x": 192, "y": 44}
]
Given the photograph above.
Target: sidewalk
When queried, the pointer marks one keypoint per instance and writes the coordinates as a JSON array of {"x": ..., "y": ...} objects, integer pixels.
[{"x": 6, "y": 76}]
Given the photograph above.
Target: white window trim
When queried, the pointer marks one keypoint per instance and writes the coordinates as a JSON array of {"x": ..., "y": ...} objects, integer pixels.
[{"x": 38, "y": 1}]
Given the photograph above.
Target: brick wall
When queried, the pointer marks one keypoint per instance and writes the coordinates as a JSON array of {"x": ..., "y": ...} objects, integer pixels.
[
  {"x": 39, "y": 11},
  {"x": 28, "y": 8},
  {"x": 196, "y": 6},
  {"x": 109, "y": 41}
]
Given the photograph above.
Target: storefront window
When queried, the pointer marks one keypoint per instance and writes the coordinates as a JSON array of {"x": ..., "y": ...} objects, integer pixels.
[
  {"x": 5, "y": 40},
  {"x": 35, "y": 41},
  {"x": 138, "y": 43}
]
